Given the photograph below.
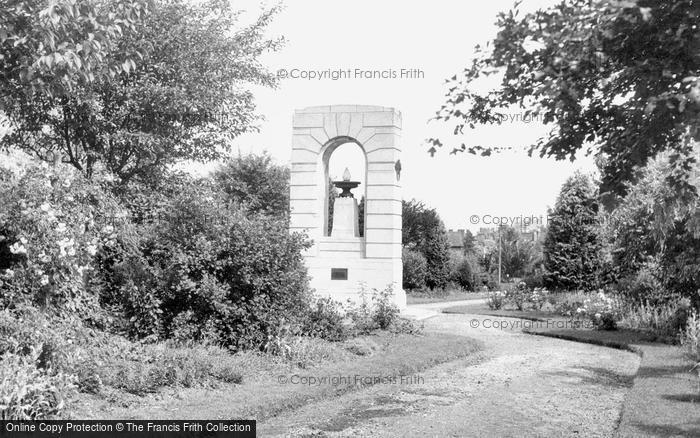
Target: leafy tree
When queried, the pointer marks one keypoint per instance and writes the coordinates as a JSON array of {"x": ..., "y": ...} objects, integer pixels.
[
  {"x": 52, "y": 48},
  {"x": 517, "y": 254},
  {"x": 464, "y": 273},
  {"x": 256, "y": 181},
  {"x": 424, "y": 231},
  {"x": 616, "y": 78},
  {"x": 469, "y": 243},
  {"x": 650, "y": 238},
  {"x": 186, "y": 99},
  {"x": 572, "y": 247}
]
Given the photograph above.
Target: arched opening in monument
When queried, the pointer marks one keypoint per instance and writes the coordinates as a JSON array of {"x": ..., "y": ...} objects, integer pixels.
[{"x": 345, "y": 163}]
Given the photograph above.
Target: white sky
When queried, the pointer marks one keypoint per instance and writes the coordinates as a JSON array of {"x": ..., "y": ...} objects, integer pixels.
[{"x": 437, "y": 37}]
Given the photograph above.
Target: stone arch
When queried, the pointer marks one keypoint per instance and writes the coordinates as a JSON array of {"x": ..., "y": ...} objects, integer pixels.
[
  {"x": 374, "y": 259},
  {"x": 324, "y": 157}
]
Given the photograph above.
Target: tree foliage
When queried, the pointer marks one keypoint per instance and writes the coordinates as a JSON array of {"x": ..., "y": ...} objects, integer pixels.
[
  {"x": 424, "y": 231},
  {"x": 518, "y": 255},
  {"x": 415, "y": 269},
  {"x": 185, "y": 99},
  {"x": 620, "y": 79},
  {"x": 52, "y": 48},
  {"x": 651, "y": 237},
  {"x": 257, "y": 182},
  {"x": 572, "y": 247}
]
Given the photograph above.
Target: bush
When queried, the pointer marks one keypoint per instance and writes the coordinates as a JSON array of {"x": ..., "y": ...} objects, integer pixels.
[
  {"x": 690, "y": 337},
  {"x": 415, "y": 268},
  {"x": 463, "y": 275},
  {"x": 602, "y": 310},
  {"x": 51, "y": 225},
  {"x": 537, "y": 297},
  {"x": 361, "y": 346},
  {"x": 492, "y": 285},
  {"x": 375, "y": 312},
  {"x": 326, "y": 320},
  {"x": 207, "y": 271},
  {"x": 517, "y": 296},
  {"x": 644, "y": 286},
  {"x": 164, "y": 365},
  {"x": 28, "y": 392},
  {"x": 568, "y": 303},
  {"x": 534, "y": 281},
  {"x": 495, "y": 300},
  {"x": 667, "y": 320}
]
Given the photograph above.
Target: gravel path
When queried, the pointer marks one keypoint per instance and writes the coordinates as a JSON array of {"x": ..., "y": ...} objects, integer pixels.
[{"x": 521, "y": 385}]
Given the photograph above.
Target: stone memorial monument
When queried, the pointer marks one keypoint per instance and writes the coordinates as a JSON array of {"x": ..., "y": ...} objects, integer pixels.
[{"x": 345, "y": 260}]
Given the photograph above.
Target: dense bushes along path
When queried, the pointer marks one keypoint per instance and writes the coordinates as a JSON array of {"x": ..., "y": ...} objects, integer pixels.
[{"x": 526, "y": 386}]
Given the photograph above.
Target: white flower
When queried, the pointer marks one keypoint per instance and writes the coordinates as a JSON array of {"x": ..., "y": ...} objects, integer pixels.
[
  {"x": 92, "y": 250},
  {"x": 45, "y": 207},
  {"x": 9, "y": 273},
  {"x": 71, "y": 251},
  {"x": 18, "y": 248},
  {"x": 44, "y": 258},
  {"x": 61, "y": 227},
  {"x": 66, "y": 243},
  {"x": 597, "y": 315},
  {"x": 44, "y": 280},
  {"x": 108, "y": 229}
]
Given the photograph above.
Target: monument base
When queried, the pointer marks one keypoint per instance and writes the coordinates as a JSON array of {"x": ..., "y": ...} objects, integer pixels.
[{"x": 344, "y": 279}]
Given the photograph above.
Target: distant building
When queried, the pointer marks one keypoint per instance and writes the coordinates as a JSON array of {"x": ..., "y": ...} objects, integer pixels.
[
  {"x": 456, "y": 241},
  {"x": 532, "y": 236}
]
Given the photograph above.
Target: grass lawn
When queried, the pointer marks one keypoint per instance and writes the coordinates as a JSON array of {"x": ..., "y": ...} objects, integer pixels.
[
  {"x": 665, "y": 397},
  {"x": 268, "y": 387},
  {"x": 437, "y": 297}
]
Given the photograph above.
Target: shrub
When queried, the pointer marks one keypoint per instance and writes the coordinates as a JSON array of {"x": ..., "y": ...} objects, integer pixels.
[
  {"x": 406, "y": 326},
  {"x": 28, "y": 392},
  {"x": 361, "y": 346},
  {"x": 537, "y": 297},
  {"x": 415, "y": 268},
  {"x": 300, "y": 350},
  {"x": 690, "y": 337},
  {"x": 568, "y": 303},
  {"x": 492, "y": 284},
  {"x": 51, "y": 225},
  {"x": 667, "y": 320},
  {"x": 495, "y": 300},
  {"x": 326, "y": 320},
  {"x": 209, "y": 272},
  {"x": 463, "y": 275},
  {"x": 375, "y": 312},
  {"x": 167, "y": 364},
  {"x": 602, "y": 310},
  {"x": 386, "y": 312},
  {"x": 644, "y": 286},
  {"x": 534, "y": 281},
  {"x": 517, "y": 296}
]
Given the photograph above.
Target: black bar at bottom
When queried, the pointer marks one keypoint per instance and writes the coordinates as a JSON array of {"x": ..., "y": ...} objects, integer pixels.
[{"x": 127, "y": 428}]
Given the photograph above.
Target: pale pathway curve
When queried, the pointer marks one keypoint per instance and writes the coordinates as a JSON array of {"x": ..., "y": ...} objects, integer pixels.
[{"x": 522, "y": 385}]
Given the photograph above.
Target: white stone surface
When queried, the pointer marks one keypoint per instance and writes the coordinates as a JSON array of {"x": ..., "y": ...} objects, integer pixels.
[
  {"x": 374, "y": 261},
  {"x": 345, "y": 218}
]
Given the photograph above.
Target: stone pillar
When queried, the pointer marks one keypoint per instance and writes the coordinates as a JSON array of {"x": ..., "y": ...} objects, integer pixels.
[{"x": 345, "y": 218}]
